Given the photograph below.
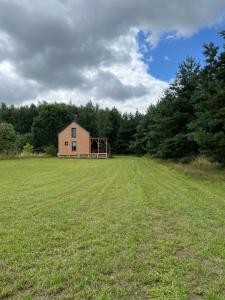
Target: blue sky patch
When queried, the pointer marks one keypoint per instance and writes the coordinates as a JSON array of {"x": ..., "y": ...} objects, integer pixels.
[{"x": 163, "y": 60}]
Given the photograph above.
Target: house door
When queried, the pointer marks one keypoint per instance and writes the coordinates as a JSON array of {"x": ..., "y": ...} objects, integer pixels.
[{"x": 74, "y": 146}]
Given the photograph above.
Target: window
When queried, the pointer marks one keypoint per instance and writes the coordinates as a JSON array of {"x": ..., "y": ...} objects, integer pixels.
[
  {"x": 66, "y": 143},
  {"x": 74, "y": 146},
  {"x": 74, "y": 132}
]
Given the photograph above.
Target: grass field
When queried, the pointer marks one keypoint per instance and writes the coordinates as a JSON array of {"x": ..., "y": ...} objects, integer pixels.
[{"x": 122, "y": 228}]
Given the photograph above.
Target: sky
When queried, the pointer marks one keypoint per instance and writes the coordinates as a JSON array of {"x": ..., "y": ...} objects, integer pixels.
[
  {"x": 163, "y": 60},
  {"x": 112, "y": 52}
]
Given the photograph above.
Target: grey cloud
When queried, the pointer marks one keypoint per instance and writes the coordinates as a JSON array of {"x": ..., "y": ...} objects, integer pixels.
[
  {"x": 53, "y": 42},
  {"x": 16, "y": 91},
  {"x": 106, "y": 85}
]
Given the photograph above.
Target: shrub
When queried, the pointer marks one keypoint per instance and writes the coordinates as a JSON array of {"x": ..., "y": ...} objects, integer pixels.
[
  {"x": 50, "y": 150},
  {"x": 186, "y": 160},
  {"x": 28, "y": 148},
  {"x": 22, "y": 140}
]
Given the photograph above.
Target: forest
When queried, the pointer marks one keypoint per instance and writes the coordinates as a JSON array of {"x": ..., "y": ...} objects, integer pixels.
[{"x": 188, "y": 120}]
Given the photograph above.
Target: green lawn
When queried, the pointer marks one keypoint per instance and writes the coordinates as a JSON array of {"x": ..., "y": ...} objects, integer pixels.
[{"x": 122, "y": 228}]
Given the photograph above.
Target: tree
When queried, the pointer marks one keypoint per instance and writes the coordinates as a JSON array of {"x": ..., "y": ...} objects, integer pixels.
[
  {"x": 7, "y": 137},
  {"x": 23, "y": 139},
  {"x": 104, "y": 124},
  {"x": 140, "y": 139},
  {"x": 208, "y": 127},
  {"x": 164, "y": 131},
  {"x": 51, "y": 119},
  {"x": 115, "y": 119},
  {"x": 126, "y": 133},
  {"x": 87, "y": 117},
  {"x": 20, "y": 117}
]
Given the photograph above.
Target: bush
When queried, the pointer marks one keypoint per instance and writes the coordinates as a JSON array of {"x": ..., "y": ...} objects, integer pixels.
[
  {"x": 28, "y": 148},
  {"x": 22, "y": 140},
  {"x": 186, "y": 160},
  {"x": 50, "y": 150}
]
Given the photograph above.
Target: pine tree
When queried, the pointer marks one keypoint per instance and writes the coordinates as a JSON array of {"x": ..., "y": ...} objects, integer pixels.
[
  {"x": 208, "y": 129},
  {"x": 165, "y": 132}
]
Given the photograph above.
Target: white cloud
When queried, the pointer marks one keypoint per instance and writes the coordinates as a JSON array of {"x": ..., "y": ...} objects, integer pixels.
[
  {"x": 132, "y": 74},
  {"x": 153, "y": 39},
  {"x": 150, "y": 59},
  {"x": 83, "y": 49},
  {"x": 166, "y": 58},
  {"x": 170, "y": 37}
]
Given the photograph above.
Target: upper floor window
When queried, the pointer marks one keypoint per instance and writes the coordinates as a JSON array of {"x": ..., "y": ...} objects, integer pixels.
[
  {"x": 74, "y": 132},
  {"x": 66, "y": 143}
]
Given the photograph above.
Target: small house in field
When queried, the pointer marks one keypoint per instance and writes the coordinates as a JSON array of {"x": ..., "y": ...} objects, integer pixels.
[{"x": 75, "y": 141}]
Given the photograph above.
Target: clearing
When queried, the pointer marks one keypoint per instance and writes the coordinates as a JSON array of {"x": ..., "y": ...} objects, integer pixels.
[{"x": 122, "y": 228}]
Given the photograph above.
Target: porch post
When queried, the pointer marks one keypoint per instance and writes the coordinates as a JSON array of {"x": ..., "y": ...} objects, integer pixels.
[{"x": 98, "y": 146}]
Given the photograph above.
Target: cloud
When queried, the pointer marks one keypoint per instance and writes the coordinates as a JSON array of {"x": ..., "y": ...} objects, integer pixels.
[
  {"x": 170, "y": 37},
  {"x": 166, "y": 58},
  {"x": 108, "y": 85},
  {"x": 14, "y": 87},
  {"x": 82, "y": 49}
]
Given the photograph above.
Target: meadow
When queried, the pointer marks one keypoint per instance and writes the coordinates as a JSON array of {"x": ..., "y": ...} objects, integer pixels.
[{"x": 121, "y": 228}]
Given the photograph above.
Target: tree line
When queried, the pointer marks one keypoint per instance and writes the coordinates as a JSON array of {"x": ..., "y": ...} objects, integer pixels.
[
  {"x": 187, "y": 121},
  {"x": 190, "y": 118},
  {"x": 39, "y": 125}
]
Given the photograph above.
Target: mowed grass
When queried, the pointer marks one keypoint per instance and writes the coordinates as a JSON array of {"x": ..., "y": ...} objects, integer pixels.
[{"x": 122, "y": 228}]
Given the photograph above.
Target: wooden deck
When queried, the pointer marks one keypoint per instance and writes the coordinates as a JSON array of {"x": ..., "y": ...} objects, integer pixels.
[{"x": 90, "y": 155}]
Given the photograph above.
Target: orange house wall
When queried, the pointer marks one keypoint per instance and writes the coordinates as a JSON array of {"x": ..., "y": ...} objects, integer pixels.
[{"x": 82, "y": 139}]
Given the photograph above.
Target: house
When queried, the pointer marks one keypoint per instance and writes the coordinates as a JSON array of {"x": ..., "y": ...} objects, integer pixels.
[{"x": 75, "y": 141}]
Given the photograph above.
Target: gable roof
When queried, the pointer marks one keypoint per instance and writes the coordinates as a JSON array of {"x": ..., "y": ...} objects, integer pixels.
[{"x": 76, "y": 124}]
